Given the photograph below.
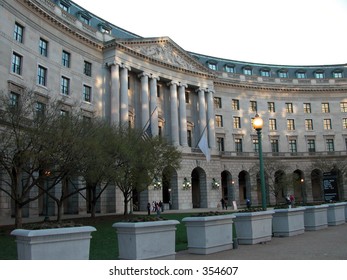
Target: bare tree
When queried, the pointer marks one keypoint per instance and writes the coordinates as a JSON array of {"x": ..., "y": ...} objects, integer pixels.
[{"x": 277, "y": 181}]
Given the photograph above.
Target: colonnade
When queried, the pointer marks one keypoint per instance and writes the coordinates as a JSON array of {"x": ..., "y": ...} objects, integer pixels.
[{"x": 149, "y": 107}]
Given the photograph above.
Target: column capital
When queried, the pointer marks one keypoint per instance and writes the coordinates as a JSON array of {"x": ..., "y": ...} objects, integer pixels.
[
  {"x": 123, "y": 65},
  {"x": 183, "y": 85},
  {"x": 112, "y": 63},
  {"x": 156, "y": 77},
  {"x": 173, "y": 83},
  {"x": 211, "y": 91},
  {"x": 143, "y": 74},
  {"x": 201, "y": 89}
]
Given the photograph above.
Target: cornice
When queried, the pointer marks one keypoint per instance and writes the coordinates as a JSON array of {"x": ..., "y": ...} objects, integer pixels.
[
  {"x": 280, "y": 87},
  {"x": 39, "y": 8},
  {"x": 125, "y": 46}
]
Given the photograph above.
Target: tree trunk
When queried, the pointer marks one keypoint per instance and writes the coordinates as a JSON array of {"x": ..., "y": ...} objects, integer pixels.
[
  {"x": 18, "y": 215},
  {"x": 125, "y": 206},
  {"x": 60, "y": 211},
  {"x": 93, "y": 201}
]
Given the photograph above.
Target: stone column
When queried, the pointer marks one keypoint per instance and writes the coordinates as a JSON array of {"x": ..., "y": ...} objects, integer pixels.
[
  {"x": 174, "y": 113},
  {"x": 144, "y": 100},
  {"x": 182, "y": 115},
  {"x": 153, "y": 105},
  {"x": 202, "y": 111},
  {"x": 124, "y": 100},
  {"x": 115, "y": 93},
  {"x": 210, "y": 119}
]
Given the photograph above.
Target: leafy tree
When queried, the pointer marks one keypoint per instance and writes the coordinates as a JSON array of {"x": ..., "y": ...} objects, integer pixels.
[{"x": 140, "y": 161}]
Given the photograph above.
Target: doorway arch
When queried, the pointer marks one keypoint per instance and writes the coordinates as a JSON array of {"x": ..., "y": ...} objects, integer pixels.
[{"x": 199, "y": 191}]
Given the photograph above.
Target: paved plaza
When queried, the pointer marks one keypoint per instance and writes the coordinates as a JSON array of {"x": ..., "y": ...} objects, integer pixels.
[{"x": 325, "y": 244}]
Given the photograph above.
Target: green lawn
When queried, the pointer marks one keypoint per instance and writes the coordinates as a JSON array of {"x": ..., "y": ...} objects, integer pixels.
[{"x": 104, "y": 245}]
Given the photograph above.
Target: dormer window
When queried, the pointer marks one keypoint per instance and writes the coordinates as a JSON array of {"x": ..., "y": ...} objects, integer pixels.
[
  {"x": 337, "y": 74},
  {"x": 301, "y": 75},
  {"x": 84, "y": 17},
  {"x": 319, "y": 74},
  {"x": 282, "y": 73},
  {"x": 64, "y": 5},
  {"x": 265, "y": 72},
  {"x": 212, "y": 65},
  {"x": 105, "y": 28},
  {"x": 247, "y": 71},
  {"x": 229, "y": 68}
]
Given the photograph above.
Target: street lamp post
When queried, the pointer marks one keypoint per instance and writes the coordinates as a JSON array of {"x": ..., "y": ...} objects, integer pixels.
[{"x": 258, "y": 125}]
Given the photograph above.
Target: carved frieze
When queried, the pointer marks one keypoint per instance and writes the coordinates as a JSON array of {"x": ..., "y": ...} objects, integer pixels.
[{"x": 165, "y": 52}]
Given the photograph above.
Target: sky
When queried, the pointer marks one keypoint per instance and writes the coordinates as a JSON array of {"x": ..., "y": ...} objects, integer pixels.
[{"x": 281, "y": 32}]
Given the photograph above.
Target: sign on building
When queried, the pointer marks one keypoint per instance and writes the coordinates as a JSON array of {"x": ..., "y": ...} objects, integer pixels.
[{"x": 330, "y": 186}]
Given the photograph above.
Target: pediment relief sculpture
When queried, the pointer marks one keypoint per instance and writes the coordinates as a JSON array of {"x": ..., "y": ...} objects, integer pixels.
[{"x": 167, "y": 53}]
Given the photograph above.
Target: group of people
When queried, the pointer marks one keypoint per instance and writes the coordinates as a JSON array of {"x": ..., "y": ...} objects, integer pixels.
[{"x": 156, "y": 207}]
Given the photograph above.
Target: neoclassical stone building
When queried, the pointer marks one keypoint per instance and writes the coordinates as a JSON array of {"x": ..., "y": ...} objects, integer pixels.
[{"x": 57, "y": 48}]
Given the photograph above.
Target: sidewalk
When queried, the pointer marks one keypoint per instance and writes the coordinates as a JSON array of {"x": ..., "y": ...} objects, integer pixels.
[{"x": 324, "y": 244}]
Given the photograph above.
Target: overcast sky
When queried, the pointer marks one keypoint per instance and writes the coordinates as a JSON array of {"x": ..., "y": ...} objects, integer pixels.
[{"x": 284, "y": 32}]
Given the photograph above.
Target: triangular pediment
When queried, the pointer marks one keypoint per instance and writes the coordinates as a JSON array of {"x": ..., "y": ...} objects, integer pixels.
[{"x": 166, "y": 51}]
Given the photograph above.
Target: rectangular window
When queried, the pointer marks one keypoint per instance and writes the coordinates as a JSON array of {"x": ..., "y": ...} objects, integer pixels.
[
  {"x": 253, "y": 106},
  {"x": 87, "y": 93},
  {"x": 229, "y": 69},
  {"x": 344, "y": 123},
  {"x": 247, "y": 71},
  {"x": 189, "y": 137},
  {"x": 319, "y": 75},
  {"x": 14, "y": 99},
  {"x": 219, "y": 121},
  {"x": 255, "y": 145},
  {"x": 308, "y": 124},
  {"x": 290, "y": 124},
  {"x": 311, "y": 144},
  {"x": 307, "y": 108},
  {"x": 325, "y": 108},
  {"x": 87, "y": 68},
  {"x": 64, "y": 7},
  {"x": 16, "y": 64},
  {"x": 85, "y": 19},
  {"x": 65, "y": 86},
  {"x": 187, "y": 97},
  {"x": 212, "y": 66},
  {"x": 235, "y": 104},
  {"x": 337, "y": 75},
  {"x": 42, "y": 76},
  {"x": 238, "y": 145},
  {"x": 40, "y": 109},
  {"x": 274, "y": 145},
  {"x": 65, "y": 59},
  {"x": 330, "y": 145},
  {"x": 289, "y": 108},
  {"x": 292, "y": 146},
  {"x": 265, "y": 73},
  {"x": 271, "y": 107},
  {"x": 43, "y": 47},
  {"x": 220, "y": 144},
  {"x": 327, "y": 124},
  {"x": 18, "y": 32},
  {"x": 283, "y": 74},
  {"x": 237, "y": 122},
  {"x": 64, "y": 113},
  {"x": 272, "y": 124},
  {"x": 217, "y": 102},
  {"x": 343, "y": 106},
  {"x": 301, "y": 75}
]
